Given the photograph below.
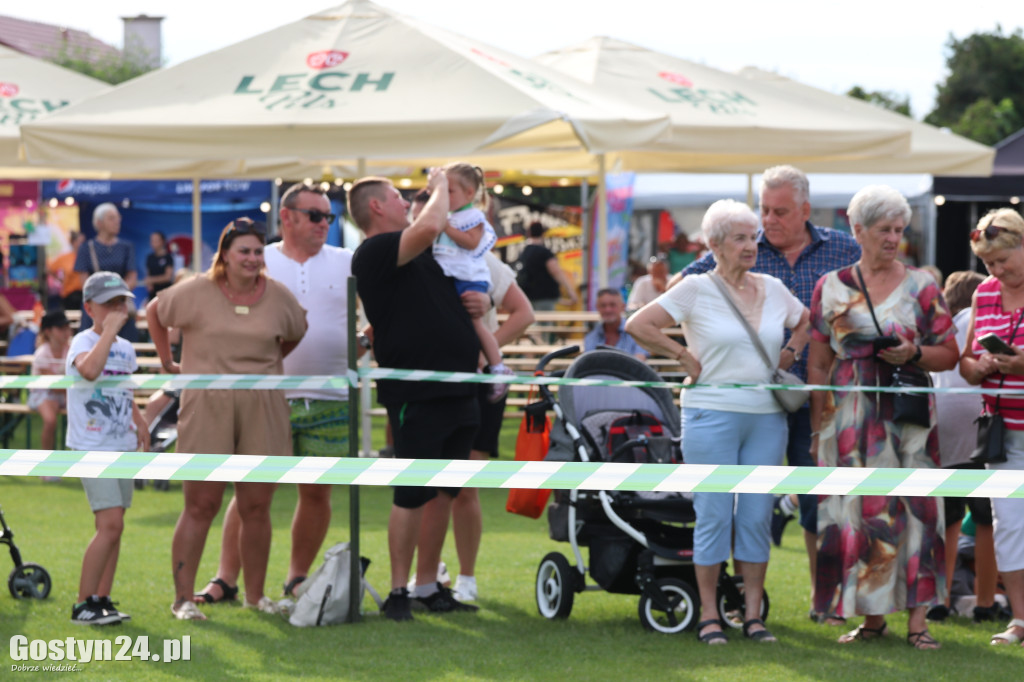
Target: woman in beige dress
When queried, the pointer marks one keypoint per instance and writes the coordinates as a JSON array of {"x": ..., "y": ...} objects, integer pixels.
[{"x": 233, "y": 320}]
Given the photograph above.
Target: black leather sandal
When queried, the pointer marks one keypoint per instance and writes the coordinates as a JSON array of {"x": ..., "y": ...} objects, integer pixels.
[
  {"x": 713, "y": 637},
  {"x": 228, "y": 593},
  {"x": 762, "y": 635},
  {"x": 289, "y": 587}
]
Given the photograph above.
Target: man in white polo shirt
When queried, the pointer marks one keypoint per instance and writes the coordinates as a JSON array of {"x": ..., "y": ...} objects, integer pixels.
[{"x": 317, "y": 275}]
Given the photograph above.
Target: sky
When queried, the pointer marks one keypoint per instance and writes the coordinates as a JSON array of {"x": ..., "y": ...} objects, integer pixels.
[{"x": 880, "y": 45}]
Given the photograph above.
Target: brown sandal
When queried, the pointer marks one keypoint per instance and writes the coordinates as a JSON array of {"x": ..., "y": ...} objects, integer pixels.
[
  {"x": 923, "y": 641},
  {"x": 863, "y": 633}
]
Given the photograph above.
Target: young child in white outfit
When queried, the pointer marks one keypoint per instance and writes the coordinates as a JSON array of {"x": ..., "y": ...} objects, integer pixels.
[
  {"x": 55, "y": 333},
  {"x": 460, "y": 252}
]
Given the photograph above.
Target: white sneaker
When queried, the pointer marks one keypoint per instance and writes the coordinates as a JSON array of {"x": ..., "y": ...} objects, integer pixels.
[
  {"x": 187, "y": 611},
  {"x": 465, "y": 588},
  {"x": 443, "y": 577},
  {"x": 264, "y": 605}
]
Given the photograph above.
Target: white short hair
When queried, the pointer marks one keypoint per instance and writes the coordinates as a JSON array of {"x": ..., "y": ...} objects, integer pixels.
[
  {"x": 878, "y": 202},
  {"x": 101, "y": 212},
  {"x": 722, "y": 216},
  {"x": 778, "y": 176}
]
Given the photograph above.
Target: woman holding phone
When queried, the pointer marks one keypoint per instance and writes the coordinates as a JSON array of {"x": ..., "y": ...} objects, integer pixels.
[{"x": 992, "y": 357}]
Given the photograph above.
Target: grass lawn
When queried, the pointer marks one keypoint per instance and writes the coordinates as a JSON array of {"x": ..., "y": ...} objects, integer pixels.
[{"x": 506, "y": 640}]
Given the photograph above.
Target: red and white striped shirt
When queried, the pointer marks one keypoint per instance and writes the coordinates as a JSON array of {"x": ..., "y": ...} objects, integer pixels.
[{"x": 990, "y": 318}]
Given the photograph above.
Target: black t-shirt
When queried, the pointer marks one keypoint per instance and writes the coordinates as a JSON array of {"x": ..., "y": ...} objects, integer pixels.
[
  {"x": 418, "y": 320},
  {"x": 532, "y": 274},
  {"x": 157, "y": 265}
]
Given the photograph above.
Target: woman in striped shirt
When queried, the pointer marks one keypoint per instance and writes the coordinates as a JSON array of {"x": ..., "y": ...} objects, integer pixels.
[{"x": 998, "y": 308}]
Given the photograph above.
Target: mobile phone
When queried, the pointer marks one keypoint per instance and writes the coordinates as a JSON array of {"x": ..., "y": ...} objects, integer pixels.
[{"x": 994, "y": 344}]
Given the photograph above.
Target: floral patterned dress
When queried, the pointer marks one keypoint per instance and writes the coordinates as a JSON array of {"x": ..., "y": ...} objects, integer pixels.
[{"x": 876, "y": 554}]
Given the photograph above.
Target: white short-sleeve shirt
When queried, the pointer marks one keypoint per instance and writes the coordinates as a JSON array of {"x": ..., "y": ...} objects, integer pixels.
[{"x": 723, "y": 346}]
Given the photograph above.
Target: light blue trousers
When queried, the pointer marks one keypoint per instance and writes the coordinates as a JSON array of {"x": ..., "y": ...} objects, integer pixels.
[{"x": 719, "y": 437}]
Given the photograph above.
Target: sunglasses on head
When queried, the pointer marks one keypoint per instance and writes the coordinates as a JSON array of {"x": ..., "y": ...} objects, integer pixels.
[
  {"x": 316, "y": 215},
  {"x": 247, "y": 226},
  {"x": 990, "y": 232}
]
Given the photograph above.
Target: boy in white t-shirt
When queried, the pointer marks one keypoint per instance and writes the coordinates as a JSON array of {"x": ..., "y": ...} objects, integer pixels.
[{"x": 103, "y": 419}]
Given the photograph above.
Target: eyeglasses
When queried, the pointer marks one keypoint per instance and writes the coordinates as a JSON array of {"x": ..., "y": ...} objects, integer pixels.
[
  {"x": 316, "y": 215},
  {"x": 990, "y": 232},
  {"x": 247, "y": 226}
]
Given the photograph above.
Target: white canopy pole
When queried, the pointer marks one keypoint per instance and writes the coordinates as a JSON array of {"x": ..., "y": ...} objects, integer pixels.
[
  {"x": 197, "y": 227},
  {"x": 602, "y": 225}
]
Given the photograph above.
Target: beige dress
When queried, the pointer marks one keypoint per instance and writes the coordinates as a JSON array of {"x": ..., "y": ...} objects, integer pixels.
[{"x": 219, "y": 337}]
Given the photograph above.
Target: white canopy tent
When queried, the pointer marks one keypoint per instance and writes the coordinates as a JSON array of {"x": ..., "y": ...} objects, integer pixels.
[{"x": 357, "y": 85}]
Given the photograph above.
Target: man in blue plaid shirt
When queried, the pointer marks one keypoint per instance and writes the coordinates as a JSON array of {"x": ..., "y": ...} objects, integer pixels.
[{"x": 798, "y": 253}]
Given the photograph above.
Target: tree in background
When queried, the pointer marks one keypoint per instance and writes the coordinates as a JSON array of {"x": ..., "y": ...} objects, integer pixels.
[
  {"x": 887, "y": 100},
  {"x": 983, "y": 96},
  {"x": 133, "y": 61}
]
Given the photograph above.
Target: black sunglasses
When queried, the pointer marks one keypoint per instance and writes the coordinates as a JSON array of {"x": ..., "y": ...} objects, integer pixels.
[
  {"x": 247, "y": 226},
  {"x": 316, "y": 215},
  {"x": 990, "y": 232}
]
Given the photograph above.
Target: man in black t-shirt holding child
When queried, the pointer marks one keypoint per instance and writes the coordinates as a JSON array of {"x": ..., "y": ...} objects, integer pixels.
[{"x": 418, "y": 322}]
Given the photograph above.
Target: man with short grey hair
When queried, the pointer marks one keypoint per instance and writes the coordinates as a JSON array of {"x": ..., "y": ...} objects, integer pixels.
[{"x": 797, "y": 252}]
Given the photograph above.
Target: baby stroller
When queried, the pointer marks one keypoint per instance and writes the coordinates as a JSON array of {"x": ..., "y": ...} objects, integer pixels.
[
  {"x": 639, "y": 542},
  {"x": 163, "y": 433},
  {"x": 26, "y": 580}
]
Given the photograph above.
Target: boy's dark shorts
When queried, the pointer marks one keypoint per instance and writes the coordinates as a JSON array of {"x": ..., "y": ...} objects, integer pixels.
[{"x": 443, "y": 428}]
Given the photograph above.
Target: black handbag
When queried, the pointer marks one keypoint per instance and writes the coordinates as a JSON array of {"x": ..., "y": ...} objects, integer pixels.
[
  {"x": 907, "y": 408},
  {"x": 991, "y": 434},
  {"x": 911, "y": 408}
]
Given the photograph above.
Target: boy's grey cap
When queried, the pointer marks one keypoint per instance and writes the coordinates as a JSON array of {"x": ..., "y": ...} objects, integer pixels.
[{"x": 103, "y": 286}]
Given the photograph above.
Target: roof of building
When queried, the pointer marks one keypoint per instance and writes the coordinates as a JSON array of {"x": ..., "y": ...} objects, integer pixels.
[{"x": 46, "y": 41}]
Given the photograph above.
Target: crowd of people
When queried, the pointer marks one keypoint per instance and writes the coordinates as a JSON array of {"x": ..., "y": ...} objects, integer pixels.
[{"x": 835, "y": 308}]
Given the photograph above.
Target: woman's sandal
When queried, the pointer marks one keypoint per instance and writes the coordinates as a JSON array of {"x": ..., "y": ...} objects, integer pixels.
[
  {"x": 289, "y": 587},
  {"x": 863, "y": 633},
  {"x": 762, "y": 635},
  {"x": 714, "y": 636},
  {"x": 923, "y": 641},
  {"x": 830, "y": 618},
  {"x": 228, "y": 593},
  {"x": 1009, "y": 637}
]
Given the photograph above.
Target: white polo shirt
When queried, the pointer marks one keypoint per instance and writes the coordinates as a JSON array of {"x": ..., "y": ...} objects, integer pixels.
[{"x": 320, "y": 285}]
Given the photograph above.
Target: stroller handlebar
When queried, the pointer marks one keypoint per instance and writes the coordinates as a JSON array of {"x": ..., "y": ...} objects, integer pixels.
[{"x": 542, "y": 363}]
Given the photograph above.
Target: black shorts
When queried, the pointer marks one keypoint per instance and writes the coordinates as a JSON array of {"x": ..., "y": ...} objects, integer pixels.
[
  {"x": 491, "y": 416},
  {"x": 443, "y": 428},
  {"x": 956, "y": 507}
]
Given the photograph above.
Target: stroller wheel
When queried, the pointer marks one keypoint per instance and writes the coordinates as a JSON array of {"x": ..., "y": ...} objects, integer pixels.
[
  {"x": 731, "y": 605},
  {"x": 677, "y": 610},
  {"x": 29, "y": 581},
  {"x": 556, "y": 586}
]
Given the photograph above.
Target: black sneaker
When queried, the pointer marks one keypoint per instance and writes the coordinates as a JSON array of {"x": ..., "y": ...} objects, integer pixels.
[
  {"x": 112, "y": 606},
  {"x": 938, "y": 613},
  {"x": 92, "y": 612},
  {"x": 779, "y": 521},
  {"x": 443, "y": 601},
  {"x": 396, "y": 606},
  {"x": 985, "y": 614}
]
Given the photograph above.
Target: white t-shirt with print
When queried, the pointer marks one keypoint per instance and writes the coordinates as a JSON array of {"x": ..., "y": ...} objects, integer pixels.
[{"x": 101, "y": 418}]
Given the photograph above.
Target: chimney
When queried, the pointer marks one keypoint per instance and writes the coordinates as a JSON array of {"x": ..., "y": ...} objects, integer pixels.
[{"x": 142, "y": 39}]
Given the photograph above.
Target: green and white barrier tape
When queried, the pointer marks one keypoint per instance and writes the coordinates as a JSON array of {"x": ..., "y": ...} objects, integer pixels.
[
  {"x": 505, "y": 474},
  {"x": 270, "y": 382}
]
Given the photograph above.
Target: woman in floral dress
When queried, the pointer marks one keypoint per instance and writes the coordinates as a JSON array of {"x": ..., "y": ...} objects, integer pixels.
[{"x": 877, "y": 555}]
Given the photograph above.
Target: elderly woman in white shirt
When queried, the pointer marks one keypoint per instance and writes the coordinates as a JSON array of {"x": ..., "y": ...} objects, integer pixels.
[{"x": 729, "y": 426}]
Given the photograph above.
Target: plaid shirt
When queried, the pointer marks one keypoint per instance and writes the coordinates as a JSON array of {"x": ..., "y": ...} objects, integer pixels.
[{"x": 829, "y": 250}]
